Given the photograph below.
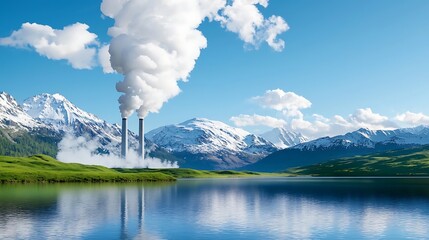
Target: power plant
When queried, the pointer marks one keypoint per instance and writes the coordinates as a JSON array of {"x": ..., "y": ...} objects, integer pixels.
[
  {"x": 141, "y": 138},
  {"x": 124, "y": 143},
  {"x": 124, "y": 146}
]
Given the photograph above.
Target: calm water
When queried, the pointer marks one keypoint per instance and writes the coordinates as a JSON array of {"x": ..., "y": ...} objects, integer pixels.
[{"x": 320, "y": 208}]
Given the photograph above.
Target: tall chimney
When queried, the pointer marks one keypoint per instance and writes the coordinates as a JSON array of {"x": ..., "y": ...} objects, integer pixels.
[
  {"x": 124, "y": 146},
  {"x": 141, "y": 138}
]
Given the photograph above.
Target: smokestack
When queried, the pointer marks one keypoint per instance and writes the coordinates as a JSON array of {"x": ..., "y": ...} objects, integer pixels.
[
  {"x": 124, "y": 146},
  {"x": 141, "y": 138}
]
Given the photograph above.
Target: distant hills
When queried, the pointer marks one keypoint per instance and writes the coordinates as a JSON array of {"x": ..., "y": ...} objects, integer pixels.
[
  {"x": 403, "y": 162},
  {"x": 360, "y": 142}
]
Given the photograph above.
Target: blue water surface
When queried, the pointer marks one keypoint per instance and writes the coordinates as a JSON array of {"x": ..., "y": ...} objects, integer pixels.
[{"x": 261, "y": 208}]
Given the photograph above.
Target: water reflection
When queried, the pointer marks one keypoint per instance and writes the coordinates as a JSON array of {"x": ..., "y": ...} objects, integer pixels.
[{"x": 214, "y": 209}]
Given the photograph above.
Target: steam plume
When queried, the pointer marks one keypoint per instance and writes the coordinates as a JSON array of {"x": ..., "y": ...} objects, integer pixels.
[
  {"x": 72, "y": 149},
  {"x": 155, "y": 43}
]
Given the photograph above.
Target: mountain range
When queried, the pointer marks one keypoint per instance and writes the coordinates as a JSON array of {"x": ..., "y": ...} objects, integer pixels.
[
  {"x": 197, "y": 143},
  {"x": 206, "y": 144},
  {"x": 48, "y": 117},
  {"x": 360, "y": 142},
  {"x": 41, "y": 121}
]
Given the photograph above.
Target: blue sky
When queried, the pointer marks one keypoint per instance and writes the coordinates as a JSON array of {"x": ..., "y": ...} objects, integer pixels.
[{"x": 339, "y": 55}]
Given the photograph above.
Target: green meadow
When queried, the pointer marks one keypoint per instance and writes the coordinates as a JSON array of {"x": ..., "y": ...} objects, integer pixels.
[
  {"x": 405, "y": 162},
  {"x": 42, "y": 168}
]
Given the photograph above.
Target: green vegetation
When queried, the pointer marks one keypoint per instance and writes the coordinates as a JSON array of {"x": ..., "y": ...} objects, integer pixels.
[
  {"x": 25, "y": 144},
  {"x": 42, "y": 168},
  {"x": 405, "y": 162},
  {"x": 192, "y": 173}
]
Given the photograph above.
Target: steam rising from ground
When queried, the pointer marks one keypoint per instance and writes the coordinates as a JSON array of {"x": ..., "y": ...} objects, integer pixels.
[
  {"x": 83, "y": 150},
  {"x": 155, "y": 44}
]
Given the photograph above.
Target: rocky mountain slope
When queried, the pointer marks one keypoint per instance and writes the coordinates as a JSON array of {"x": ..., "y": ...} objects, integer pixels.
[
  {"x": 208, "y": 144},
  {"x": 284, "y": 138},
  {"x": 362, "y": 141}
]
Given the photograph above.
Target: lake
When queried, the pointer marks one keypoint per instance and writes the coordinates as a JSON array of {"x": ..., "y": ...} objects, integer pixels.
[{"x": 274, "y": 208}]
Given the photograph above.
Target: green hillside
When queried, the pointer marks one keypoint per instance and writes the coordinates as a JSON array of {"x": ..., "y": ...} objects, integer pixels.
[
  {"x": 28, "y": 143},
  {"x": 42, "y": 168},
  {"x": 405, "y": 162},
  {"x": 193, "y": 173}
]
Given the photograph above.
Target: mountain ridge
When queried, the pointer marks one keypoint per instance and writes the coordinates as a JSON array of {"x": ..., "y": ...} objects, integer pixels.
[
  {"x": 359, "y": 142},
  {"x": 200, "y": 139},
  {"x": 284, "y": 138}
]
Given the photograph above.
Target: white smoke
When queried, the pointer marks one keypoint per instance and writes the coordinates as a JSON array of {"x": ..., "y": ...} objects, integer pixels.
[
  {"x": 72, "y": 149},
  {"x": 155, "y": 43}
]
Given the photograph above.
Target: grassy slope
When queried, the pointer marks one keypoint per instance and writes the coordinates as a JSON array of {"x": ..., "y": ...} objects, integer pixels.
[
  {"x": 27, "y": 143},
  {"x": 42, "y": 168},
  {"x": 192, "y": 173},
  {"x": 405, "y": 162}
]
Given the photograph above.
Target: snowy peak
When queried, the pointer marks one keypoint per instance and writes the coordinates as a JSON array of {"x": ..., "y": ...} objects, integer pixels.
[
  {"x": 13, "y": 116},
  {"x": 7, "y": 100},
  {"x": 369, "y": 138},
  {"x": 200, "y": 135},
  {"x": 59, "y": 114},
  {"x": 56, "y": 110},
  {"x": 284, "y": 138}
]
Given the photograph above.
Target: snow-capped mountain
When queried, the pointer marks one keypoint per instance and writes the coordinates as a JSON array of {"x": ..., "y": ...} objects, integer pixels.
[
  {"x": 367, "y": 138},
  {"x": 60, "y": 114},
  {"x": 53, "y": 115},
  {"x": 200, "y": 143},
  {"x": 360, "y": 142},
  {"x": 13, "y": 116},
  {"x": 284, "y": 138},
  {"x": 201, "y": 139}
]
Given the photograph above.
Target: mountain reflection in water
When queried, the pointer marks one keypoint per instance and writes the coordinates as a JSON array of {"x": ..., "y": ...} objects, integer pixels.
[{"x": 279, "y": 208}]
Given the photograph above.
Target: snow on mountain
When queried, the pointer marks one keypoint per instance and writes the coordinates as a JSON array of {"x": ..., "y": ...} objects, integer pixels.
[
  {"x": 208, "y": 144},
  {"x": 59, "y": 114},
  {"x": 201, "y": 135},
  {"x": 369, "y": 138},
  {"x": 13, "y": 116},
  {"x": 284, "y": 138}
]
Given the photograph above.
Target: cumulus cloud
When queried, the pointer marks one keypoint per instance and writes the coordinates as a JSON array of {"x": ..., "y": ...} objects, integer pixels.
[
  {"x": 411, "y": 118},
  {"x": 244, "y": 18},
  {"x": 316, "y": 125},
  {"x": 73, "y": 43},
  {"x": 366, "y": 118},
  {"x": 320, "y": 126},
  {"x": 244, "y": 120},
  {"x": 289, "y": 103}
]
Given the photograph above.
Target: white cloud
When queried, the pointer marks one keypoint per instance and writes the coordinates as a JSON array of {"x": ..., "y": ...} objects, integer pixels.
[
  {"x": 244, "y": 120},
  {"x": 361, "y": 118},
  {"x": 73, "y": 43},
  {"x": 366, "y": 116},
  {"x": 318, "y": 125},
  {"x": 411, "y": 118},
  {"x": 244, "y": 18},
  {"x": 104, "y": 59},
  {"x": 288, "y": 102}
]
